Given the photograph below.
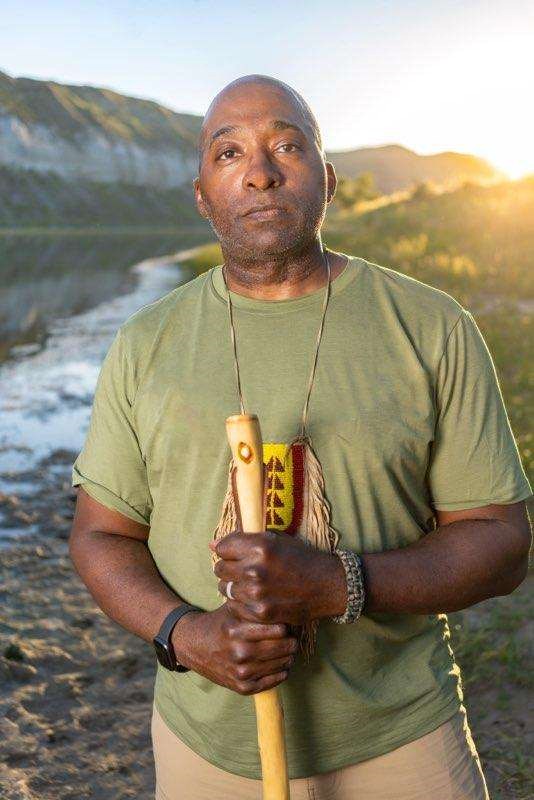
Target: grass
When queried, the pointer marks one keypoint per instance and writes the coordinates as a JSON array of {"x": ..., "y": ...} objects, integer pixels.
[{"x": 492, "y": 642}]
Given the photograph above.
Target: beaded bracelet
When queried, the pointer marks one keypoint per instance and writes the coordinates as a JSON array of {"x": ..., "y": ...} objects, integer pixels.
[{"x": 355, "y": 585}]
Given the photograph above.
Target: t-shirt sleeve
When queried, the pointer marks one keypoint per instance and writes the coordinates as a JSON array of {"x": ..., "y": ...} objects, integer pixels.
[
  {"x": 474, "y": 459},
  {"x": 110, "y": 467}
]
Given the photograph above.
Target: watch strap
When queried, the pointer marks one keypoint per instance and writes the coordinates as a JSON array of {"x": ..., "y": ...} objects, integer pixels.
[{"x": 167, "y": 627}]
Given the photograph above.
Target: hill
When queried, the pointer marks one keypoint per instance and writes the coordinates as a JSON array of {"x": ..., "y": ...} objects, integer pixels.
[
  {"x": 94, "y": 133},
  {"x": 395, "y": 167}
]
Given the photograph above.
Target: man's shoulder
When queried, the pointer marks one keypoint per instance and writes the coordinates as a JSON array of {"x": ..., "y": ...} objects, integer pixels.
[
  {"x": 413, "y": 298},
  {"x": 144, "y": 324}
]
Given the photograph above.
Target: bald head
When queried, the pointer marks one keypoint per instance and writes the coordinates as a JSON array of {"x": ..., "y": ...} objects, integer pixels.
[{"x": 248, "y": 86}]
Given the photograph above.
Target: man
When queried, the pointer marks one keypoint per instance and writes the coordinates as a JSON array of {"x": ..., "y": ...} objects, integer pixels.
[{"x": 421, "y": 471}]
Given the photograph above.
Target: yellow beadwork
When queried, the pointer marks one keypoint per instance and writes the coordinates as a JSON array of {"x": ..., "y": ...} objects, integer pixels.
[{"x": 279, "y": 462}]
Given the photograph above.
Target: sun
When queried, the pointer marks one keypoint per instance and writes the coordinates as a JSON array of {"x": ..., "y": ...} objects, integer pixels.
[{"x": 480, "y": 97}]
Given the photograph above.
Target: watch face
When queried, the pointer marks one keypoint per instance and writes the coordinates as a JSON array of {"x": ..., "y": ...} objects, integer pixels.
[{"x": 164, "y": 654}]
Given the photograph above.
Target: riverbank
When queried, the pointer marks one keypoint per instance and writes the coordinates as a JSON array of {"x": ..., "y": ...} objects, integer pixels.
[{"x": 77, "y": 688}]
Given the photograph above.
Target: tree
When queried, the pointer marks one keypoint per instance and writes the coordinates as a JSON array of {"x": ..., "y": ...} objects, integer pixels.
[
  {"x": 423, "y": 190},
  {"x": 353, "y": 190}
]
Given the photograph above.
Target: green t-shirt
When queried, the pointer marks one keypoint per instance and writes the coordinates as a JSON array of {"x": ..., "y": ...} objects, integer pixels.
[{"x": 406, "y": 415}]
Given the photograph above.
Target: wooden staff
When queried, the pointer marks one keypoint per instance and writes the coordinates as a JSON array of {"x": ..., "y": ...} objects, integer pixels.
[{"x": 244, "y": 436}]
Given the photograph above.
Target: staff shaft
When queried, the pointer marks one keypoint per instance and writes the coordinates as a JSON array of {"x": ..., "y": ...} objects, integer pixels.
[{"x": 244, "y": 437}]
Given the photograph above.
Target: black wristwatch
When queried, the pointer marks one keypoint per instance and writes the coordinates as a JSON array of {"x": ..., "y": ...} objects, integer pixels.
[{"x": 162, "y": 640}]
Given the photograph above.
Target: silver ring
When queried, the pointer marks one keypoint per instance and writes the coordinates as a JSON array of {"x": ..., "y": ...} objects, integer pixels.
[{"x": 229, "y": 590}]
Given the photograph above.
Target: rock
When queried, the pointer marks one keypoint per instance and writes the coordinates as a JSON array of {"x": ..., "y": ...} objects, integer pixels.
[
  {"x": 14, "y": 652},
  {"x": 16, "y": 671}
]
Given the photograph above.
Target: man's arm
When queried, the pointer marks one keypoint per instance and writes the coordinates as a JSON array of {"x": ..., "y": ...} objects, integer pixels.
[
  {"x": 110, "y": 554},
  {"x": 473, "y": 554}
]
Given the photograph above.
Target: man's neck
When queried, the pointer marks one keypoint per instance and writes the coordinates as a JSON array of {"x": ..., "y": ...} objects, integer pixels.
[{"x": 283, "y": 280}]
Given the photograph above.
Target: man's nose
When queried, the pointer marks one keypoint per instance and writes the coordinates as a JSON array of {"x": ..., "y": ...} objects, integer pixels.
[{"x": 261, "y": 173}]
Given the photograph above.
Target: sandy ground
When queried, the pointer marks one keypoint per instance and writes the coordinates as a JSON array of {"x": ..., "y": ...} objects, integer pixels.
[{"x": 77, "y": 689}]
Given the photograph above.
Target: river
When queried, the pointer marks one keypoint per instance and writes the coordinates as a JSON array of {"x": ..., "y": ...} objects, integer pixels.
[{"x": 47, "y": 385}]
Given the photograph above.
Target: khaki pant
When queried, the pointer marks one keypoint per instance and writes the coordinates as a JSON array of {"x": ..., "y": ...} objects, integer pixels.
[{"x": 442, "y": 765}]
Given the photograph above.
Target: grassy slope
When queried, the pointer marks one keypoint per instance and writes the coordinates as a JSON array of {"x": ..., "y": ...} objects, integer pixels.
[
  {"x": 31, "y": 198},
  {"x": 71, "y": 111},
  {"x": 473, "y": 239}
]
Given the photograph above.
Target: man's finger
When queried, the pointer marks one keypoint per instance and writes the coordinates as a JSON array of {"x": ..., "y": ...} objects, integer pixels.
[
  {"x": 227, "y": 570},
  {"x": 240, "y": 611},
  {"x": 234, "y": 546},
  {"x": 257, "y": 631}
]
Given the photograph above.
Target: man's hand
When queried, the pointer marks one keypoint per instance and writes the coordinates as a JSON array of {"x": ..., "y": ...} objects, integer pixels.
[
  {"x": 278, "y": 578},
  {"x": 246, "y": 657}
]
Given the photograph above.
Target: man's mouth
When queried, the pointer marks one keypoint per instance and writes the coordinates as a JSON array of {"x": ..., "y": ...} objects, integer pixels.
[{"x": 265, "y": 213}]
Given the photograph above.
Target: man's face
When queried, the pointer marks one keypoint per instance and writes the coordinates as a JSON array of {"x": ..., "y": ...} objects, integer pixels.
[{"x": 261, "y": 162}]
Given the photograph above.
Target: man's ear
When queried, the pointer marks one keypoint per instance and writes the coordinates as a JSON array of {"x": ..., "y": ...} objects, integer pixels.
[
  {"x": 331, "y": 181},
  {"x": 199, "y": 199}
]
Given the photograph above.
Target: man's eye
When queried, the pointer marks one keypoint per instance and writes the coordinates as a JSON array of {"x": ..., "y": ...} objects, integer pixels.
[
  {"x": 232, "y": 150},
  {"x": 228, "y": 150}
]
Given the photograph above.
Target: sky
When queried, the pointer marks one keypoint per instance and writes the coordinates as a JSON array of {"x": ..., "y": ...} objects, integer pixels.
[{"x": 432, "y": 76}]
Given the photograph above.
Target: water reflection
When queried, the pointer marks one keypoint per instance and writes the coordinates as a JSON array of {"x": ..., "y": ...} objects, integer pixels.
[
  {"x": 46, "y": 276},
  {"x": 46, "y": 396}
]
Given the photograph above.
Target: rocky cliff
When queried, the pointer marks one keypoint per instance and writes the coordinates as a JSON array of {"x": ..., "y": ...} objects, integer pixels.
[{"x": 94, "y": 133}]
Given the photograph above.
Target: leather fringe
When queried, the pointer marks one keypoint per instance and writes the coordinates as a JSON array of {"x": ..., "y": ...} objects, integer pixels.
[{"x": 316, "y": 530}]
